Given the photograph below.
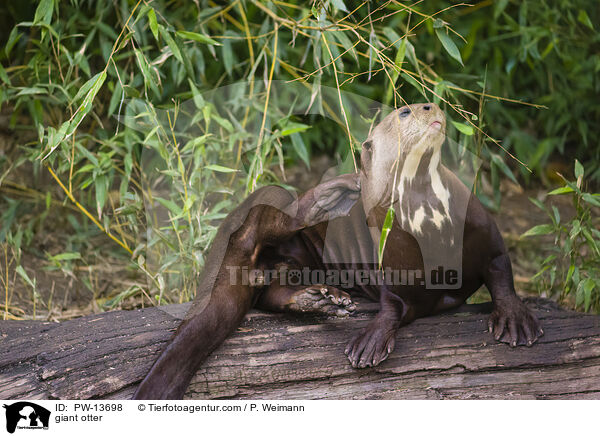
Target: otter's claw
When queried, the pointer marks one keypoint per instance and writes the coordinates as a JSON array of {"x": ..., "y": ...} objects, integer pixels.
[
  {"x": 372, "y": 345},
  {"x": 514, "y": 324}
]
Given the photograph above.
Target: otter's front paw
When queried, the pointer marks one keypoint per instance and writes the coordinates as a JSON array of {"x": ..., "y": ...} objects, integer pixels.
[
  {"x": 373, "y": 344},
  {"x": 514, "y": 324}
]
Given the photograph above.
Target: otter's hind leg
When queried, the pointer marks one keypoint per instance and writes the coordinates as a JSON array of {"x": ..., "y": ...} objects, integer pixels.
[{"x": 310, "y": 299}]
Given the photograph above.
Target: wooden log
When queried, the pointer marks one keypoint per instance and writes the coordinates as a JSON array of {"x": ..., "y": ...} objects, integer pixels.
[{"x": 287, "y": 356}]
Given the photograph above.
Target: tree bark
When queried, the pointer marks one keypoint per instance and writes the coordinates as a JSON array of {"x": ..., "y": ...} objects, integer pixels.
[{"x": 287, "y": 356}]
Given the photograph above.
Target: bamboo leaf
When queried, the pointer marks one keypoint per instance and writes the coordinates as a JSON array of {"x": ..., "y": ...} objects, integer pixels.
[
  {"x": 176, "y": 210},
  {"x": 463, "y": 128},
  {"x": 449, "y": 45},
  {"x": 197, "y": 37},
  {"x": 152, "y": 23},
  {"x": 220, "y": 169},
  {"x": 562, "y": 190},
  {"x": 542, "y": 229},
  {"x": 86, "y": 105},
  {"x": 498, "y": 161},
  {"x": 385, "y": 231},
  {"x": 148, "y": 76},
  {"x": 300, "y": 148},
  {"x": 339, "y": 4},
  {"x": 24, "y": 276},
  {"x": 584, "y": 18},
  {"x": 171, "y": 43},
  {"x": 12, "y": 40},
  {"x": 101, "y": 185},
  {"x": 578, "y": 169},
  {"x": 66, "y": 256},
  {"x": 43, "y": 13}
]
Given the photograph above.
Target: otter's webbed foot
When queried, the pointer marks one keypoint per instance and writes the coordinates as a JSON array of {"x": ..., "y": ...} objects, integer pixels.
[
  {"x": 373, "y": 344},
  {"x": 513, "y": 323},
  {"x": 322, "y": 299}
]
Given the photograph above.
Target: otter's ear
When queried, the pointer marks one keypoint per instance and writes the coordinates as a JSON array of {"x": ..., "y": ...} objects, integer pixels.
[
  {"x": 330, "y": 199},
  {"x": 365, "y": 155}
]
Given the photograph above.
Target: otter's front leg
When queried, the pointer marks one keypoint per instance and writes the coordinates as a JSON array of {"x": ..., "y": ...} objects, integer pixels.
[
  {"x": 511, "y": 321},
  {"x": 374, "y": 343}
]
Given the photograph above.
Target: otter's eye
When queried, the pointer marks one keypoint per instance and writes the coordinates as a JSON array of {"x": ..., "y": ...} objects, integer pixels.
[
  {"x": 367, "y": 145},
  {"x": 404, "y": 113}
]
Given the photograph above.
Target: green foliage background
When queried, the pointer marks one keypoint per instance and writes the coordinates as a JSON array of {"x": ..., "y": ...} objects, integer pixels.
[{"x": 522, "y": 72}]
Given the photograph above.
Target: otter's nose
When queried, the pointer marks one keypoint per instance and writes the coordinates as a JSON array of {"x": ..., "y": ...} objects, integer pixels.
[{"x": 427, "y": 107}]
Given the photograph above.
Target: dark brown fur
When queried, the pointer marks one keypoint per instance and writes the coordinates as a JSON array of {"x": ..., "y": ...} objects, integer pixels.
[{"x": 271, "y": 229}]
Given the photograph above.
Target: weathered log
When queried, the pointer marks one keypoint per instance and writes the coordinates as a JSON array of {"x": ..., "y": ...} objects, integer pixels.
[{"x": 286, "y": 356}]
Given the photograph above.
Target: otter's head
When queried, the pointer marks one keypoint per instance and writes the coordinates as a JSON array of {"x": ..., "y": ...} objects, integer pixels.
[{"x": 406, "y": 142}]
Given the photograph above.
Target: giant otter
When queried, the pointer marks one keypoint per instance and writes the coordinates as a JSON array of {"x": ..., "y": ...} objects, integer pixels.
[{"x": 336, "y": 226}]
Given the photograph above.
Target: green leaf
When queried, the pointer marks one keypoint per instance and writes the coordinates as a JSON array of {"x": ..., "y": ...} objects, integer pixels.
[
  {"x": 12, "y": 40},
  {"x": 226, "y": 124},
  {"x": 116, "y": 97},
  {"x": 43, "y": 13},
  {"x": 101, "y": 185},
  {"x": 562, "y": 190},
  {"x": 385, "y": 231},
  {"x": 499, "y": 7},
  {"x": 570, "y": 273},
  {"x": 497, "y": 160},
  {"x": 197, "y": 97},
  {"x": 66, "y": 256},
  {"x": 152, "y": 23},
  {"x": 346, "y": 43},
  {"x": 148, "y": 76},
  {"x": 86, "y": 105},
  {"x": 300, "y": 148},
  {"x": 339, "y": 4},
  {"x": 25, "y": 277},
  {"x": 578, "y": 169},
  {"x": 556, "y": 215},
  {"x": 171, "y": 43},
  {"x": 410, "y": 79},
  {"x": 372, "y": 43},
  {"x": 171, "y": 206},
  {"x": 227, "y": 51},
  {"x": 593, "y": 199},
  {"x": 542, "y": 229},
  {"x": 584, "y": 18},
  {"x": 86, "y": 87},
  {"x": 193, "y": 143},
  {"x": 197, "y": 37},
  {"x": 588, "y": 287},
  {"x": 463, "y": 128},
  {"x": 220, "y": 169},
  {"x": 449, "y": 45},
  {"x": 294, "y": 128},
  {"x": 4, "y": 76},
  {"x": 31, "y": 91}
]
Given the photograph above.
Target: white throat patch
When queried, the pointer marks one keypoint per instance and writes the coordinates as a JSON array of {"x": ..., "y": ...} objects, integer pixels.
[{"x": 414, "y": 216}]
